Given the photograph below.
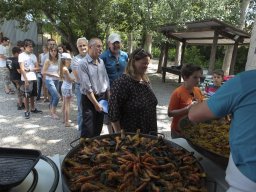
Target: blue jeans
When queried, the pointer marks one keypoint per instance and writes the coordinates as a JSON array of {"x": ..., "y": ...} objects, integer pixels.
[
  {"x": 52, "y": 88},
  {"x": 79, "y": 107},
  {"x": 39, "y": 84}
]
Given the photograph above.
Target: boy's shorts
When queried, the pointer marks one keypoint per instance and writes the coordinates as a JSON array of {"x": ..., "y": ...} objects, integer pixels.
[{"x": 30, "y": 91}]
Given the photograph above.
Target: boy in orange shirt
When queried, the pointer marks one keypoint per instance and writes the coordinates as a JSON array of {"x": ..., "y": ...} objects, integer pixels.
[{"x": 185, "y": 96}]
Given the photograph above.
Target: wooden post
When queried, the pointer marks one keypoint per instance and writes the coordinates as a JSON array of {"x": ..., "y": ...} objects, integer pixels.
[
  {"x": 233, "y": 60},
  {"x": 166, "y": 54},
  {"x": 213, "y": 53},
  {"x": 165, "y": 61}
]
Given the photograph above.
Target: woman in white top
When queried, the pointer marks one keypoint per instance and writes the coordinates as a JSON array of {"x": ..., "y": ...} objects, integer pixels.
[
  {"x": 51, "y": 73},
  {"x": 66, "y": 87}
]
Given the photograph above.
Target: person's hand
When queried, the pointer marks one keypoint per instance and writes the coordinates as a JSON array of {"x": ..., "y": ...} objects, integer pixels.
[
  {"x": 192, "y": 103},
  {"x": 26, "y": 83},
  {"x": 98, "y": 107}
]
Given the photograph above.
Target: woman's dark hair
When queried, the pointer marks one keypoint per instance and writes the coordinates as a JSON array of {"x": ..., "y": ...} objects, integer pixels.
[
  {"x": 5, "y": 39},
  {"x": 28, "y": 42},
  {"x": 53, "y": 47},
  {"x": 188, "y": 69},
  {"x": 64, "y": 47},
  {"x": 20, "y": 43}
]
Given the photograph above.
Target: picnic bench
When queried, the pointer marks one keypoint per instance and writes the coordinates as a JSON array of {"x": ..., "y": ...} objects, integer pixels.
[{"x": 176, "y": 70}]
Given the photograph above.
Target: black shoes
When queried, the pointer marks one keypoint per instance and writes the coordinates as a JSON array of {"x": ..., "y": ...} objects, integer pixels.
[
  {"x": 20, "y": 107},
  {"x": 27, "y": 115},
  {"x": 36, "y": 111}
]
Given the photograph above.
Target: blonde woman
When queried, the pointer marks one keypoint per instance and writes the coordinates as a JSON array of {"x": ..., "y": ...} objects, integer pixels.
[{"x": 132, "y": 102}]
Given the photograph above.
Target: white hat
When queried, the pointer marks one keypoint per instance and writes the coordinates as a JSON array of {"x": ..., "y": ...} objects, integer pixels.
[
  {"x": 114, "y": 37},
  {"x": 65, "y": 56}
]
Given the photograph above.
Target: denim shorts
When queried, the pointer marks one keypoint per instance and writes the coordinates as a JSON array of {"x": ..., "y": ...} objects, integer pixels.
[{"x": 66, "y": 92}]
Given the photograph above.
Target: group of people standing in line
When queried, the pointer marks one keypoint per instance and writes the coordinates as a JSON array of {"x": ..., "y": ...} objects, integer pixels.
[
  {"x": 122, "y": 80},
  {"x": 96, "y": 74}
]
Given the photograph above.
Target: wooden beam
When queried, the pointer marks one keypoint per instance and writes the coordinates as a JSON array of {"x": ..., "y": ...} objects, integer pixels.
[
  {"x": 174, "y": 37},
  {"x": 233, "y": 59},
  {"x": 213, "y": 53}
]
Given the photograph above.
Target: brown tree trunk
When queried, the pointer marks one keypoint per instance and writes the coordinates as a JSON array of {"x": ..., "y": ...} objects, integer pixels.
[
  {"x": 229, "y": 50},
  {"x": 227, "y": 59},
  {"x": 251, "y": 58},
  {"x": 178, "y": 53},
  {"x": 148, "y": 42},
  {"x": 130, "y": 42},
  {"x": 161, "y": 58}
]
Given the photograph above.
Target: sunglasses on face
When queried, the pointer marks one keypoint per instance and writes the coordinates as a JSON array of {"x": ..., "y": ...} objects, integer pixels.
[{"x": 140, "y": 54}]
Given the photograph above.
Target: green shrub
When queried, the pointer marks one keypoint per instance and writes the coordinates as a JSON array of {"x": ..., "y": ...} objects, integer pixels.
[
  {"x": 192, "y": 55},
  {"x": 155, "y": 51}
]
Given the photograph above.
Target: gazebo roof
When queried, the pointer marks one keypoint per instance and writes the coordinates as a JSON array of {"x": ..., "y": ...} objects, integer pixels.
[{"x": 202, "y": 32}]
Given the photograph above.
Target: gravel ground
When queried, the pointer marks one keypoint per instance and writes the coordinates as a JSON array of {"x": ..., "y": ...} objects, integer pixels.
[{"x": 51, "y": 136}]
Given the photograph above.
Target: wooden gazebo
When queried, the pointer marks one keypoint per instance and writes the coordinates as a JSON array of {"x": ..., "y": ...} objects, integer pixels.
[{"x": 207, "y": 32}]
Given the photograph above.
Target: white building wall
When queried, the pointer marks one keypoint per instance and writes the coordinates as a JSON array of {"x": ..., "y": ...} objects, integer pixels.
[{"x": 11, "y": 30}]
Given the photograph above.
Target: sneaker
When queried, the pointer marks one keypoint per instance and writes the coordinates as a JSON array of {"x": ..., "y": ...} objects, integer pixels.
[
  {"x": 27, "y": 115},
  {"x": 36, "y": 111},
  {"x": 19, "y": 107}
]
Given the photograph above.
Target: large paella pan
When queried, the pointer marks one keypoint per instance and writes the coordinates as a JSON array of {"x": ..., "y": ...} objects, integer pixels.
[
  {"x": 210, "y": 138},
  {"x": 131, "y": 162}
]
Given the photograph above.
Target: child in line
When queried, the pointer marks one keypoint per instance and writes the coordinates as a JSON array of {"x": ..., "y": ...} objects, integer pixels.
[
  {"x": 218, "y": 76},
  {"x": 14, "y": 67},
  {"x": 66, "y": 87},
  {"x": 184, "y": 96}
]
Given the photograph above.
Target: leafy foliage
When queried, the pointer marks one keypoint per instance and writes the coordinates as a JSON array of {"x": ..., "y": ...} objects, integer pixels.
[{"x": 97, "y": 18}]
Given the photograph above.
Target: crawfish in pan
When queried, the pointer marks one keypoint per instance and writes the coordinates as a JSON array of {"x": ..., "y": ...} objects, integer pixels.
[{"x": 132, "y": 162}]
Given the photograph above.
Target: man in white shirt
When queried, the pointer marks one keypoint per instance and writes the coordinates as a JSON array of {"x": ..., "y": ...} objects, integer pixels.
[
  {"x": 4, "y": 72},
  {"x": 82, "y": 46},
  {"x": 28, "y": 67}
]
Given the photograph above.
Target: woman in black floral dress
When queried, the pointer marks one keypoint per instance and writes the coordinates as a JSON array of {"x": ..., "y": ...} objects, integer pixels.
[{"x": 132, "y": 102}]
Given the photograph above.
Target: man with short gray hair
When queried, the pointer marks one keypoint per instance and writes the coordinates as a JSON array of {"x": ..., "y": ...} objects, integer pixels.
[
  {"x": 94, "y": 86},
  {"x": 82, "y": 46}
]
